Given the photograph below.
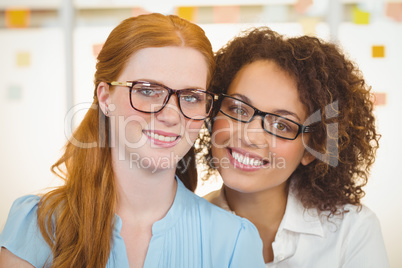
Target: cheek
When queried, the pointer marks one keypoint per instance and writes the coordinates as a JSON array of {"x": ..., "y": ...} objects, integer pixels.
[
  {"x": 131, "y": 127},
  {"x": 289, "y": 153},
  {"x": 127, "y": 122},
  {"x": 222, "y": 130}
]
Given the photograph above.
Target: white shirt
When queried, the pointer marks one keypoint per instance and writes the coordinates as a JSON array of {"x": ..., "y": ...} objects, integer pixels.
[{"x": 307, "y": 239}]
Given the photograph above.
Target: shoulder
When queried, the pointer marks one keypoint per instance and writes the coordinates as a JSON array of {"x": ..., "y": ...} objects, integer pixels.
[
  {"x": 218, "y": 198},
  {"x": 363, "y": 241},
  {"x": 360, "y": 221},
  {"x": 355, "y": 220},
  {"x": 219, "y": 219},
  {"x": 213, "y": 212},
  {"x": 351, "y": 239},
  {"x": 213, "y": 196},
  {"x": 222, "y": 223},
  {"x": 21, "y": 234},
  {"x": 23, "y": 210},
  {"x": 355, "y": 216},
  {"x": 25, "y": 202},
  {"x": 232, "y": 240}
]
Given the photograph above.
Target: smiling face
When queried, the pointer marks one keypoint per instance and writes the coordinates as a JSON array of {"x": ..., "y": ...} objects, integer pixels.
[
  {"x": 159, "y": 140},
  {"x": 250, "y": 159}
]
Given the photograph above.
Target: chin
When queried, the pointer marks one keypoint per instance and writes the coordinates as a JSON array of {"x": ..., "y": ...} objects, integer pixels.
[{"x": 242, "y": 186}]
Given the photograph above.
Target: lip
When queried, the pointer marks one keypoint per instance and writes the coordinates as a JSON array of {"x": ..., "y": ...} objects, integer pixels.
[
  {"x": 242, "y": 166},
  {"x": 160, "y": 143}
]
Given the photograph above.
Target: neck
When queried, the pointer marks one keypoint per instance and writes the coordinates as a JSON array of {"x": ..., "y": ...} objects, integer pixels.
[
  {"x": 264, "y": 209},
  {"x": 143, "y": 194}
]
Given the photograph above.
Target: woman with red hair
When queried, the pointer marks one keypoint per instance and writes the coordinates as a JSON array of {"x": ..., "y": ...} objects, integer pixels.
[{"x": 121, "y": 204}]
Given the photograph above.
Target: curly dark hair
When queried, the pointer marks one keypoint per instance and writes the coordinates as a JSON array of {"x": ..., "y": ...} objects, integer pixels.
[{"x": 332, "y": 88}]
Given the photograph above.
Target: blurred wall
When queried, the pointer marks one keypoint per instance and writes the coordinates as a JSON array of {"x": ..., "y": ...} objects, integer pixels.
[{"x": 33, "y": 96}]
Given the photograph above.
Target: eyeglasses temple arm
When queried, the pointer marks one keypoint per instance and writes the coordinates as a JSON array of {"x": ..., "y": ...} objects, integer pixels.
[
  {"x": 123, "y": 84},
  {"x": 308, "y": 129}
]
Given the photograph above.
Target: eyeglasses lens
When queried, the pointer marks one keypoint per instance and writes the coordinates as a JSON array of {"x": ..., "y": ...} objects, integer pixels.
[
  {"x": 237, "y": 109},
  {"x": 274, "y": 124},
  {"x": 280, "y": 126},
  {"x": 151, "y": 98}
]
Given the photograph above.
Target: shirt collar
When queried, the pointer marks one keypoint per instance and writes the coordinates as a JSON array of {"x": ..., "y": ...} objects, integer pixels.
[
  {"x": 299, "y": 219},
  {"x": 177, "y": 209}
]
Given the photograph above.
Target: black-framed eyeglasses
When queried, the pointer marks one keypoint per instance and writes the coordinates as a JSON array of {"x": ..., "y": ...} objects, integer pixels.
[
  {"x": 149, "y": 97},
  {"x": 276, "y": 125}
]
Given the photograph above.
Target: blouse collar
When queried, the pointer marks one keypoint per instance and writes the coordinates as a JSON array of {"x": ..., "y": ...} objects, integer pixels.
[
  {"x": 172, "y": 216},
  {"x": 297, "y": 218}
]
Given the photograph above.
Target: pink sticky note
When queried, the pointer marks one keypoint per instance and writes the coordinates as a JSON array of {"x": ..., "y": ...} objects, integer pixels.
[
  {"x": 226, "y": 14},
  {"x": 380, "y": 98},
  {"x": 394, "y": 10}
]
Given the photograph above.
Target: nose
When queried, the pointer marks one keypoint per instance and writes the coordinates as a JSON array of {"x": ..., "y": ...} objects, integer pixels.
[
  {"x": 254, "y": 135},
  {"x": 170, "y": 114}
]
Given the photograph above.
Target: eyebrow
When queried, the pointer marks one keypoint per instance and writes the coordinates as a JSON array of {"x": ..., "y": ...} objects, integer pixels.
[
  {"x": 160, "y": 83},
  {"x": 281, "y": 112}
]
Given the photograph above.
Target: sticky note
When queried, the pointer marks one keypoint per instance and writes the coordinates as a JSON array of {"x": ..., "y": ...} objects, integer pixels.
[
  {"x": 23, "y": 59},
  {"x": 96, "y": 48},
  {"x": 275, "y": 13},
  {"x": 394, "y": 11},
  {"x": 378, "y": 51},
  {"x": 309, "y": 25},
  {"x": 301, "y": 6},
  {"x": 138, "y": 11},
  {"x": 14, "y": 92},
  {"x": 380, "y": 98},
  {"x": 17, "y": 18},
  {"x": 226, "y": 14},
  {"x": 360, "y": 16},
  {"x": 188, "y": 13}
]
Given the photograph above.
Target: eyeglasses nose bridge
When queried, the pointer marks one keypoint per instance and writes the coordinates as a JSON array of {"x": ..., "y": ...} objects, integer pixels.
[
  {"x": 258, "y": 113},
  {"x": 170, "y": 93}
]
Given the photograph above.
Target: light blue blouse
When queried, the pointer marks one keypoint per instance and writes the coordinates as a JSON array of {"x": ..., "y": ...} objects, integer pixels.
[{"x": 194, "y": 233}]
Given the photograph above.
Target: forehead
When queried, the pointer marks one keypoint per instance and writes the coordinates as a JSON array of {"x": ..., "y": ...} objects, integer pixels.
[
  {"x": 268, "y": 88},
  {"x": 175, "y": 67}
]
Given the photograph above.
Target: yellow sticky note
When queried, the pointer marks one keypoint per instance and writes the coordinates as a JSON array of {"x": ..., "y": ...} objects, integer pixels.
[
  {"x": 17, "y": 18},
  {"x": 360, "y": 16},
  {"x": 23, "y": 59},
  {"x": 188, "y": 13},
  {"x": 309, "y": 25},
  {"x": 378, "y": 51},
  {"x": 226, "y": 14}
]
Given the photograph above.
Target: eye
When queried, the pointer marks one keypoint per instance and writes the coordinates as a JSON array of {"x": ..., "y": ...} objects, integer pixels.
[
  {"x": 149, "y": 91},
  {"x": 190, "y": 97},
  {"x": 238, "y": 110},
  {"x": 280, "y": 126}
]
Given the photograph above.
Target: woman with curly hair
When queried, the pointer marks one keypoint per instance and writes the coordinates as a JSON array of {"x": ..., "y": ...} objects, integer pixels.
[
  {"x": 293, "y": 139},
  {"x": 121, "y": 204}
]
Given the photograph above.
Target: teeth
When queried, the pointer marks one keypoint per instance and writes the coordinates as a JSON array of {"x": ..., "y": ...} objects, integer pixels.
[
  {"x": 245, "y": 160},
  {"x": 161, "y": 137}
]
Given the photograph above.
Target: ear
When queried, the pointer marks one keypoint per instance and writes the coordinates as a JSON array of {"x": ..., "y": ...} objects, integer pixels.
[
  {"x": 307, "y": 158},
  {"x": 103, "y": 93}
]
